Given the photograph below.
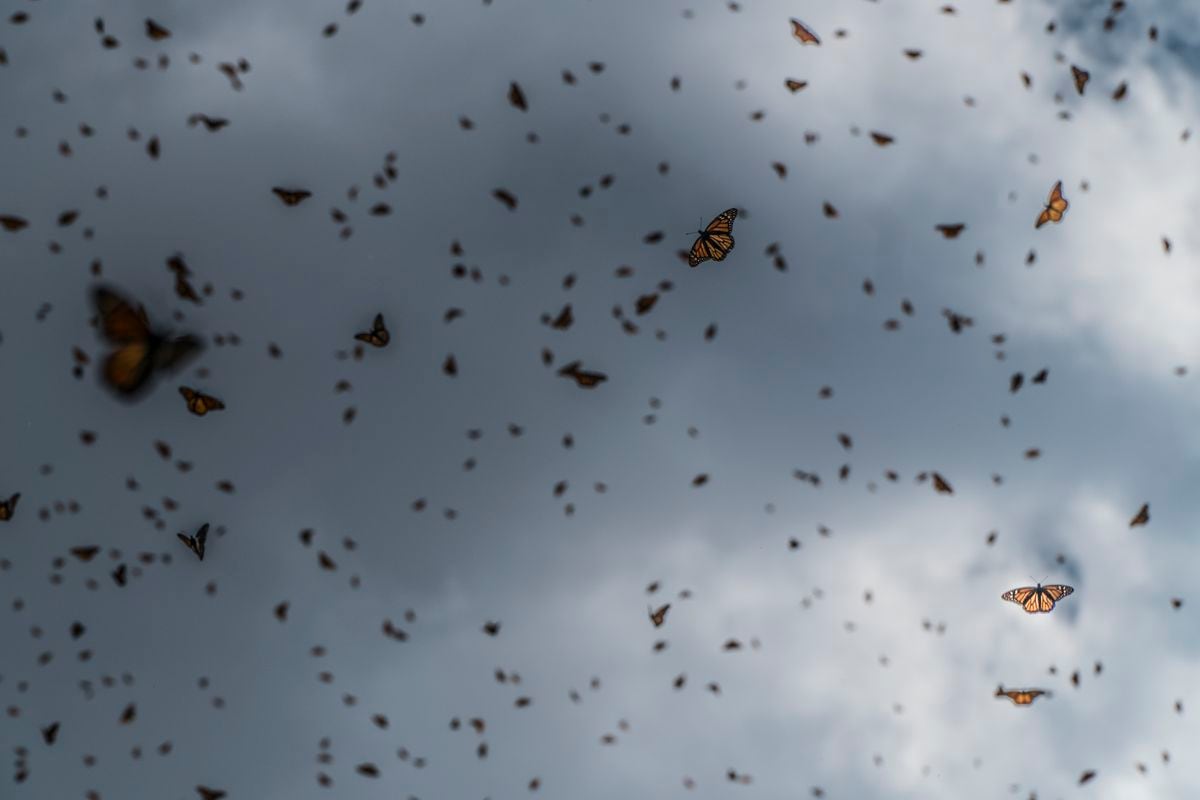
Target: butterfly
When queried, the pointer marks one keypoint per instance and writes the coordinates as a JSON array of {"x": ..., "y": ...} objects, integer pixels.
[
  {"x": 195, "y": 543},
  {"x": 1081, "y": 77},
  {"x": 950, "y": 231},
  {"x": 1038, "y": 599},
  {"x": 9, "y": 507},
  {"x": 583, "y": 378},
  {"x": 660, "y": 616},
  {"x": 378, "y": 336},
  {"x": 1056, "y": 206},
  {"x": 803, "y": 34},
  {"x": 1142, "y": 516},
  {"x": 291, "y": 197},
  {"x": 199, "y": 403},
  {"x": 140, "y": 350},
  {"x": 1021, "y": 697},
  {"x": 715, "y": 240},
  {"x": 942, "y": 485}
]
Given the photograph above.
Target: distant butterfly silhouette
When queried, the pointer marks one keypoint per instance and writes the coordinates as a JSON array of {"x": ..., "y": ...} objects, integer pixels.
[
  {"x": 715, "y": 240},
  {"x": 140, "y": 350},
  {"x": 378, "y": 336},
  {"x": 9, "y": 507},
  {"x": 199, "y": 403},
  {"x": 196, "y": 543},
  {"x": 1056, "y": 206},
  {"x": 291, "y": 197},
  {"x": 660, "y": 616},
  {"x": 1038, "y": 599},
  {"x": 1142, "y": 516},
  {"x": 1021, "y": 697}
]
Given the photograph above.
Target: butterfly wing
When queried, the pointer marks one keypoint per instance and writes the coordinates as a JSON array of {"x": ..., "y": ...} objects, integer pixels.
[
  {"x": 1020, "y": 596},
  {"x": 200, "y": 538},
  {"x": 9, "y": 507},
  {"x": 128, "y": 368},
  {"x": 1056, "y": 592},
  {"x": 120, "y": 322}
]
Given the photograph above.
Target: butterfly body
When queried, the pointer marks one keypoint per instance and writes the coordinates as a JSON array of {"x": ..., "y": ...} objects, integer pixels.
[
  {"x": 1038, "y": 599},
  {"x": 716, "y": 240}
]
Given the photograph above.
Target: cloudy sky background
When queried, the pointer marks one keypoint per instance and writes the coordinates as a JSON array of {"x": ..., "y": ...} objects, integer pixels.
[{"x": 1102, "y": 307}]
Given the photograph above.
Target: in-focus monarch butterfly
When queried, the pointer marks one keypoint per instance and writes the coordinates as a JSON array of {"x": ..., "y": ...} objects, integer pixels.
[
  {"x": 9, "y": 507},
  {"x": 715, "y": 240},
  {"x": 1056, "y": 206},
  {"x": 140, "y": 350},
  {"x": 199, "y": 403},
  {"x": 378, "y": 336},
  {"x": 1038, "y": 599},
  {"x": 1021, "y": 697},
  {"x": 196, "y": 543}
]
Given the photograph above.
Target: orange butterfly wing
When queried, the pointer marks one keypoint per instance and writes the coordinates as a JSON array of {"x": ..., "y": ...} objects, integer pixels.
[
  {"x": 120, "y": 322},
  {"x": 128, "y": 368}
]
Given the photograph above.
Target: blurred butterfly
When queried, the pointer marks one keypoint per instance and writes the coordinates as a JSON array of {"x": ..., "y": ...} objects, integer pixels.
[
  {"x": 950, "y": 231},
  {"x": 1081, "y": 77},
  {"x": 140, "y": 350},
  {"x": 1021, "y": 697},
  {"x": 803, "y": 34},
  {"x": 9, "y": 507},
  {"x": 941, "y": 485},
  {"x": 291, "y": 197},
  {"x": 195, "y": 543},
  {"x": 1142, "y": 516},
  {"x": 378, "y": 336},
  {"x": 583, "y": 378},
  {"x": 1038, "y": 599},
  {"x": 660, "y": 616},
  {"x": 715, "y": 240},
  {"x": 1056, "y": 206},
  {"x": 199, "y": 403}
]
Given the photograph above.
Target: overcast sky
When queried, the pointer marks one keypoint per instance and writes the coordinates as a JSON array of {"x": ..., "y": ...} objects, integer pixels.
[{"x": 845, "y": 688}]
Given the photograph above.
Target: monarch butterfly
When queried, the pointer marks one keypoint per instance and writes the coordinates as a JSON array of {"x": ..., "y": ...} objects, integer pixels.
[
  {"x": 291, "y": 197},
  {"x": 140, "y": 350},
  {"x": 1142, "y": 516},
  {"x": 950, "y": 231},
  {"x": 660, "y": 616},
  {"x": 1081, "y": 77},
  {"x": 195, "y": 543},
  {"x": 941, "y": 485},
  {"x": 715, "y": 240},
  {"x": 802, "y": 32},
  {"x": 199, "y": 403},
  {"x": 583, "y": 378},
  {"x": 9, "y": 507},
  {"x": 378, "y": 336},
  {"x": 1056, "y": 206},
  {"x": 1038, "y": 599},
  {"x": 1021, "y": 697}
]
